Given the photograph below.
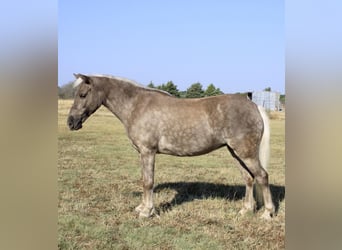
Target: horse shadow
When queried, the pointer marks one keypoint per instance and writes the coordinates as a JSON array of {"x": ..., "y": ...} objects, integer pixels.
[{"x": 189, "y": 191}]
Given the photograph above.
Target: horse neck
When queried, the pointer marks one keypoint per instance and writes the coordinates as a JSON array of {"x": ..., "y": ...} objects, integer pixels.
[{"x": 120, "y": 100}]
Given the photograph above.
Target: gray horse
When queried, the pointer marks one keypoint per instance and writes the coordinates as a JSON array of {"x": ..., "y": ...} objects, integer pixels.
[{"x": 157, "y": 122}]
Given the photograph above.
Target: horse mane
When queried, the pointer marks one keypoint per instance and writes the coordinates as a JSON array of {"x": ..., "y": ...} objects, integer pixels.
[{"x": 132, "y": 82}]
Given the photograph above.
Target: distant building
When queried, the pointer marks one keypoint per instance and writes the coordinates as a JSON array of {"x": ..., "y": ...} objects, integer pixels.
[{"x": 267, "y": 99}]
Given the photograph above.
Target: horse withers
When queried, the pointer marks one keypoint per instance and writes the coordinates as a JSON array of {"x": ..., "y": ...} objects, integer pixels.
[{"x": 158, "y": 123}]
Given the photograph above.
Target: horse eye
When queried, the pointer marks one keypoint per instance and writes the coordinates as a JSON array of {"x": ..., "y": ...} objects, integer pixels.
[{"x": 83, "y": 95}]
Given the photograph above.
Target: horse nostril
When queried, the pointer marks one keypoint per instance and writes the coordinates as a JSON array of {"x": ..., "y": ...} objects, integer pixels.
[{"x": 70, "y": 121}]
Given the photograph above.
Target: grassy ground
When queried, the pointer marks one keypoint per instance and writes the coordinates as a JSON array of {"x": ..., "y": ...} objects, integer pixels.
[{"x": 197, "y": 199}]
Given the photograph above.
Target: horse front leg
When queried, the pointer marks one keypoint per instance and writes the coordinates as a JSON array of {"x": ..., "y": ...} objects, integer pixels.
[{"x": 146, "y": 208}]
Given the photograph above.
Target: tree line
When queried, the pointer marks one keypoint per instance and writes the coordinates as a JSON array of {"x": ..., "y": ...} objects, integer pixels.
[{"x": 196, "y": 90}]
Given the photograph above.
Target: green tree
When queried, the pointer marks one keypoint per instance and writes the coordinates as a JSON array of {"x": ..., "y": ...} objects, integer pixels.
[
  {"x": 170, "y": 87},
  {"x": 268, "y": 89},
  {"x": 212, "y": 91},
  {"x": 151, "y": 85},
  {"x": 195, "y": 91},
  {"x": 182, "y": 94}
]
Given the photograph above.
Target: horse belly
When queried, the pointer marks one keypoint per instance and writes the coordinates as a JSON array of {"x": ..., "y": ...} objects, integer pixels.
[{"x": 188, "y": 142}]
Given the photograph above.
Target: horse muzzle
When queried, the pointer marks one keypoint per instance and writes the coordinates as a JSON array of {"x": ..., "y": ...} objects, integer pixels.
[{"x": 74, "y": 123}]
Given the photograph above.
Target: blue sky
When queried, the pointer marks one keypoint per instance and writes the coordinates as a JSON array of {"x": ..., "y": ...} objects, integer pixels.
[{"x": 236, "y": 45}]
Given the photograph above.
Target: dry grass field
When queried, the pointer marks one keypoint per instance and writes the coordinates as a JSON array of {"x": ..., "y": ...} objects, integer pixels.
[{"x": 197, "y": 198}]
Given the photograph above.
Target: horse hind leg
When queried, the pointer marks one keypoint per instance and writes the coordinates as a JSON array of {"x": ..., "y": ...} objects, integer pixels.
[
  {"x": 262, "y": 181},
  {"x": 261, "y": 178},
  {"x": 248, "y": 204},
  {"x": 252, "y": 171}
]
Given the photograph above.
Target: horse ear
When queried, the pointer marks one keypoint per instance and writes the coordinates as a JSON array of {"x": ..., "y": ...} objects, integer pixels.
[{"x": 86, "y": 79}]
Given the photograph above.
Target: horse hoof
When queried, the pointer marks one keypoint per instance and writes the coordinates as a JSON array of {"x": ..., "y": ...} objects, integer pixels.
[
  {"x": 139, "y": 208},
  {"x": 267, "y": 215},
  {"x": 244, "y": 211},
  {"x": 144, "y": 212}
]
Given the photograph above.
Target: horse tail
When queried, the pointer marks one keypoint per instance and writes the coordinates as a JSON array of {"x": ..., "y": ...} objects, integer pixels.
[
  {"x": 264, "y": 151},
  {"x": 264, "y": 148}
]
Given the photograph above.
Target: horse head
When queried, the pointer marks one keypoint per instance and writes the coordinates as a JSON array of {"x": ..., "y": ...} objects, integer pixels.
[{"x": 87, "y": 100}]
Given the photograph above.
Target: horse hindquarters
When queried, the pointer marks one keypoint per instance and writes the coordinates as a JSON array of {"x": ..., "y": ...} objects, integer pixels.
[{"x": 252, "y": 152}]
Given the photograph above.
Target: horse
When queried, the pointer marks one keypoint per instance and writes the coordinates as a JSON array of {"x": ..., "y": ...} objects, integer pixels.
[{"x": 159, "y": 123}]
